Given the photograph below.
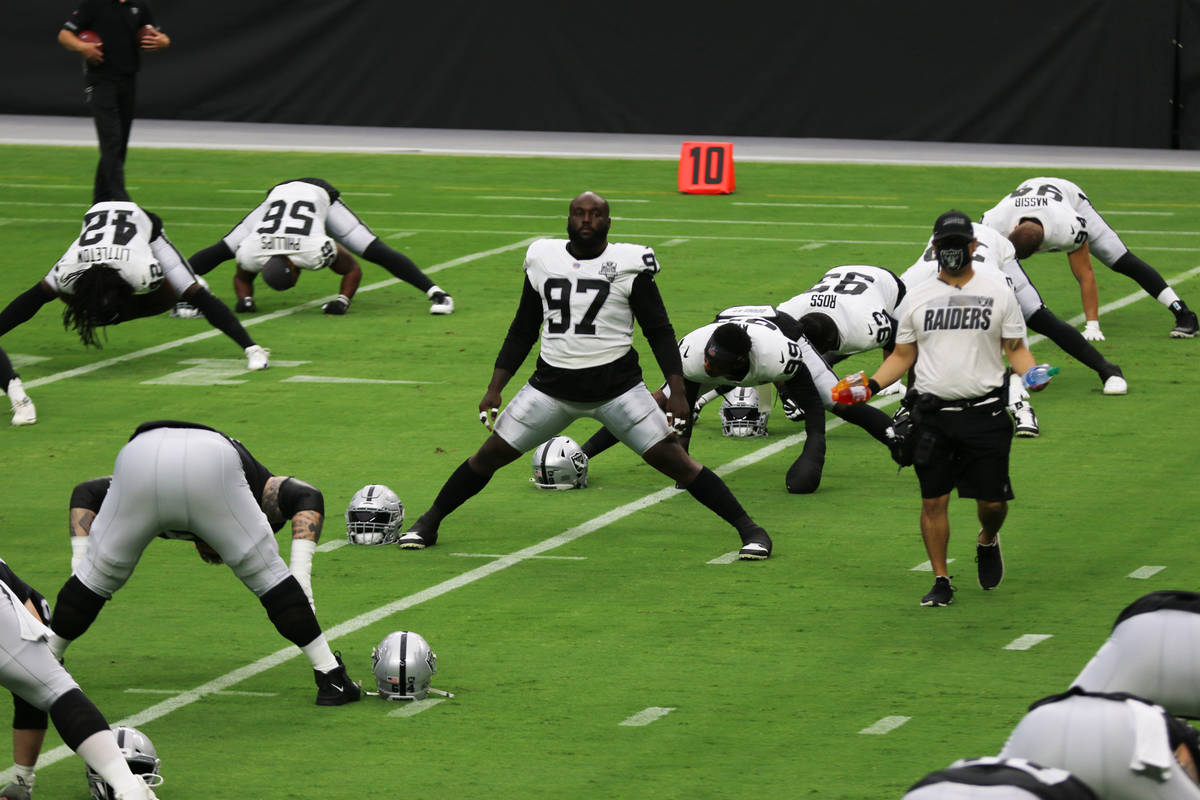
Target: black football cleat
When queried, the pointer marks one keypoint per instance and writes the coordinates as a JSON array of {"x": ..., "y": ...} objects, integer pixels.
[
  {"x": 334, "y": 688},
  {"x": 756, "y": 545},
  {"x": 422, "y": 534}
]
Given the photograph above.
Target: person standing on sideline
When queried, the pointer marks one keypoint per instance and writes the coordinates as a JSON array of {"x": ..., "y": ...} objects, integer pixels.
[
  {"x": 1053, "y": 214},
  {"x": 125, "y": 27},
  {"x": 963, "y": 324},
  {"x": 584, "y": 295}
]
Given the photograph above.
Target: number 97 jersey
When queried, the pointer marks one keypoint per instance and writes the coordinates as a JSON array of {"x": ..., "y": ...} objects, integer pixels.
[
  {"x": 587, "y": 319},
  {"x": 861, "y": 300}
]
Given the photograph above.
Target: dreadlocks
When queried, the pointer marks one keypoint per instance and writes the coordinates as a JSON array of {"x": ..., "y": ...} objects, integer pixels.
[{"x": 95, "y": 301}]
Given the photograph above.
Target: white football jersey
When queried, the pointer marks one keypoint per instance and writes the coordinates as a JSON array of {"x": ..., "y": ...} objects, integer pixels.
[
  {"x": 1052, "y": 203},
  {"x": 773, "y": 357},
  {"x": 116, "y": 233},
  {"x": 861, "y": 300},
  {"x": 289, "y": 222},
  {"x": 957, "y": 331},
  {"x": 587, "y": 320}
]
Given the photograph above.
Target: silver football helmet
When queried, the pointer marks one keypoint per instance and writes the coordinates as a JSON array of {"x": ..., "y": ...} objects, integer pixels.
[
  {"x": 139, "y": 753},
  {"x": 741, "y": 415},
  {"x": 404, "y": 666},
  {"x": 559, "y": 464},
  {"x": 374, "y": 515}
]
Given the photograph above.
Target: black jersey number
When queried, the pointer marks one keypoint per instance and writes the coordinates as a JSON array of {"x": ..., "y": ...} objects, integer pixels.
[
  {"x": 850, "y": 283},
  {"x": 95, "y": 223},
  {"x": 302, "y": 213},
  {"x": 557, "y": 292},
  {"x": 1043, "y": 190},
  {"x": 795, "y": 359}
]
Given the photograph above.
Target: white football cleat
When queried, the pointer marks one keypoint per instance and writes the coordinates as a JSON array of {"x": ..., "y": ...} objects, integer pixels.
[
  {"x": 1115, "y": 385},
  {"x": 256, "y": 358},
  {"x": 22, "y": 407},
  {"x": 442, "y": 302},
  {"x": 1027, "y": 422}
]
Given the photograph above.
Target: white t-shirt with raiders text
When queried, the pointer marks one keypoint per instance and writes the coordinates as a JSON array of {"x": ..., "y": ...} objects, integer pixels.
[
  {"x": 861, "y": 300},
  {"x": 587, "y": 320},
  {"x": 957, "y": 331},
  {"x": 119, "y": 234}
]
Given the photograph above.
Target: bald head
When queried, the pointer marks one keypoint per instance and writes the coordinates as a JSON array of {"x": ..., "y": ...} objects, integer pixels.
[
  {"x": 1027, "y": 237},
  {"x": 587, "y": 225}
]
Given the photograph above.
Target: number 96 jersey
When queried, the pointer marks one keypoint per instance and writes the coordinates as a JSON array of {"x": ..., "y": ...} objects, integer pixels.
[
  {"x": 587, "y": 319},
  {"x": 861, "y": 300},
  {"x": 118, "y": 234}
]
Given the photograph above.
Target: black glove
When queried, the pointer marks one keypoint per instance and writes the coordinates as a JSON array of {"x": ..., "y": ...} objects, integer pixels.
[
  {"x": 901, "y": 440},
  {"x": 245, "y": 305},
  {"x": 338, "y": 305}
]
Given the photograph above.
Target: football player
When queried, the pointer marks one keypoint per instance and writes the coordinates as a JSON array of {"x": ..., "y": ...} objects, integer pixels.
[
  {"x": 1053, "y": 215},
  {"x": 999, "y": 779},
  {"x": 22, "y": 407},
  {"x": 753, "y": 345},
  {"x": 1120, "y": 745},
  {"x": 582, "y": 295},
  {"x": 122, "y": 266},
  {"x": 180, "y": 480},
  {"x": 994, "y": 251},
  {"x": 43, "y": 690},
  {"x": 304, "y": 224}
]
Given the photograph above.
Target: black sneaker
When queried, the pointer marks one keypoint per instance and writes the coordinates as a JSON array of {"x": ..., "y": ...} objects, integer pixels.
[
  {"x": 756, "y": 545},
  {"x": 422, "y": 534},
  {"x": 990, "y": 564},
  {"x": 942, "y": 593},
  {"x": 334, "y": 688},
  {"x": 1186, "y": 326}
]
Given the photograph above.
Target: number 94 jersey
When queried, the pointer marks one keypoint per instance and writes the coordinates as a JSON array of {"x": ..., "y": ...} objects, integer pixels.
[
  {"x": 116, "y": 233},
  {"x": 587, "y": 319},
  {"x": 861, "y": 300}
]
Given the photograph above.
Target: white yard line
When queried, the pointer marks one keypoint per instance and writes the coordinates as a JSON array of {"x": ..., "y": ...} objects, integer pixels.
[
  {"x": 885, "y": 725},
  {"x": 646, "y": 716},
  {"x": 1027, "y": 641}
]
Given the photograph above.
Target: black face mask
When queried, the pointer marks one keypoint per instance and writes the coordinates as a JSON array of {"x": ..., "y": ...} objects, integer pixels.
[{"x": 954, "y": 256}]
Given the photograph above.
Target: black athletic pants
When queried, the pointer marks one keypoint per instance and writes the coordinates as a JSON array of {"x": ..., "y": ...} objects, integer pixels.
[{"x": 111, "y": 99}]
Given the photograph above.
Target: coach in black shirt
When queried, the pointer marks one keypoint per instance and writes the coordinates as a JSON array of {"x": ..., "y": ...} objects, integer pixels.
[{"x": 124, "y": 27}]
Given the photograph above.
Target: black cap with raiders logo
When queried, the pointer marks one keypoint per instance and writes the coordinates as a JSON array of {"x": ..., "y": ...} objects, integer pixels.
[{"x": 953, "y": 224}]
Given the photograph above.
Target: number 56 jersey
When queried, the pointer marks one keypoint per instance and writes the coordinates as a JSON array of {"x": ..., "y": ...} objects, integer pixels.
[{"x": 587, "y": 318}]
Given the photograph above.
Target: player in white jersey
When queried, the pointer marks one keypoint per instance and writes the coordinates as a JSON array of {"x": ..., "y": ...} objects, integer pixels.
[
  {"x": 42, "y": 691},
  {"x": 964, "y": 323},
  {"x": 1152, "y": 653},
  {"x": 1053, "y": 214},
  {"x": 850, "y": 310},
  {"x": 999, "y": 779},
  {"x": 122, "y": 266},
  {"x": 1123, "y": 747},
  {"x": 305, "y": 224},
  {"x": 582, "y": 296},
  {"x": 994, "y": 251},
  {"x": 755, "y": 345}
]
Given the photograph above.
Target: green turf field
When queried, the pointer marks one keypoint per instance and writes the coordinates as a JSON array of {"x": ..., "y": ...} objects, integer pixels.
[{"x": 557, "y": 617}]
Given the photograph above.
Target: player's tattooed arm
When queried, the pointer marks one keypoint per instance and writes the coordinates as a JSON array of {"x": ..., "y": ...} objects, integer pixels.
[
  {"x": 307, "y": 525},
  {"x": 81, "y": 521}
]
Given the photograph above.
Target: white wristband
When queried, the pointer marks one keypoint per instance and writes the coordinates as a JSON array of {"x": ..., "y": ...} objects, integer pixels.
[
  {"x": 301, "y": 564},
  {"x": 79, "y": 546},
  {"x": 344, "y": 299}
]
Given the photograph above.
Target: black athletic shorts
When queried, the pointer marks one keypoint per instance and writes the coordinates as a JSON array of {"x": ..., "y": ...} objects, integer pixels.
[{"x": 965, "y": 447}]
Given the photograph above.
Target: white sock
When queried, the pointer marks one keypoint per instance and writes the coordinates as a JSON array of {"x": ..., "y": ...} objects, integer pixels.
[
  {"x": 1167, "y": 296},
  {"x": 16, "y": 391},
  {"x": 23, "y": 775},
  {"x": 101, "y": 753},
  {"x": 432, "y": 290},
  {"x": 320, "y": 655}
]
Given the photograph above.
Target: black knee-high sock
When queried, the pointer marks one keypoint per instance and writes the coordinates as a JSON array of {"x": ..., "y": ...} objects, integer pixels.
[
  {"x": 463, "y": 484},
  {"x": 601, "y": 440},
  {"x": 288, "y": 609},
  {"x": 75, "y": 609},
  {"x": 1069, "y": 339},
  {"x": 397, "y": 263},
  {"x": 7, "y": 373},
  {"x": 1146, "y": 276},
  {"x": 712, "y": 492},
  {"x": 76, "y": 718}
]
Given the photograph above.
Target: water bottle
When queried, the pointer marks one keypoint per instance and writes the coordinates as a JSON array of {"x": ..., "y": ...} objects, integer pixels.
[{"x": 1038, "y": 376}]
